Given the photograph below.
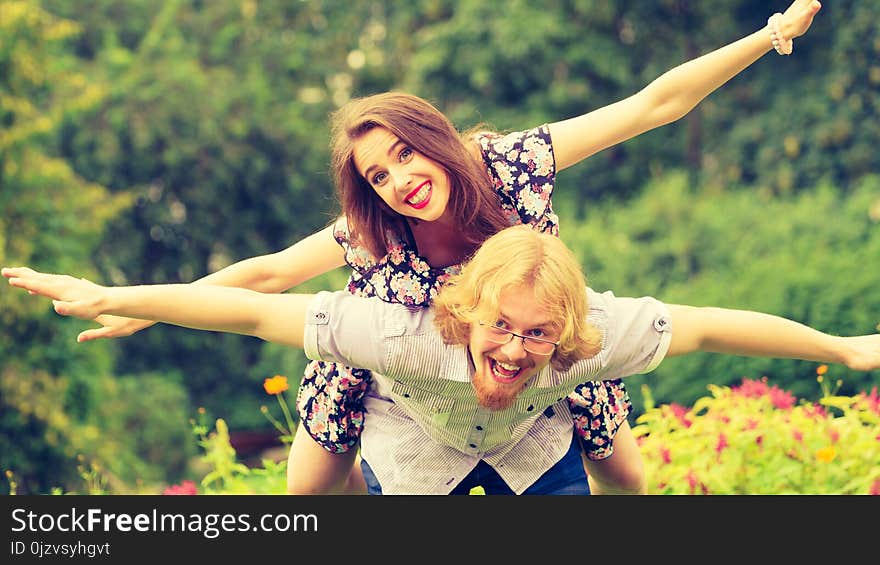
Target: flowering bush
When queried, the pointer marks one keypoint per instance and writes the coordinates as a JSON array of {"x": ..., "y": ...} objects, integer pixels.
[
  {"x": 753, "y": 438},
  {"x": 758, "y": 439}
]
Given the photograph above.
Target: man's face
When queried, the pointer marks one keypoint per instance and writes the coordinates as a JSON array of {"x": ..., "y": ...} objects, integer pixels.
[{"x": 503, "y": 370}]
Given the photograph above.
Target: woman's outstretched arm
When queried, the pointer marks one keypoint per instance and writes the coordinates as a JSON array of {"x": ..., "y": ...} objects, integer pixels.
[{"x": 673, "y": 94}]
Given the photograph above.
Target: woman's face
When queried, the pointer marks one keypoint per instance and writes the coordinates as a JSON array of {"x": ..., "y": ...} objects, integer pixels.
[{"x": 410, "y": 183}]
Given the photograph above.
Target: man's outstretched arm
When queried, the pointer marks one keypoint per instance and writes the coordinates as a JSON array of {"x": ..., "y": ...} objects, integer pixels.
[{"x": 754, "y": 334}]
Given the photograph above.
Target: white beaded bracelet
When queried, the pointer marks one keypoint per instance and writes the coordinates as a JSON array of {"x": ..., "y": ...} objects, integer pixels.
[{"x": 782, "y": 45}]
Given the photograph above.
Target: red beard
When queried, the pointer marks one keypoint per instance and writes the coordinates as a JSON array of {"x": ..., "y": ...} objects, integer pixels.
[{"x": 492, "y": 396}]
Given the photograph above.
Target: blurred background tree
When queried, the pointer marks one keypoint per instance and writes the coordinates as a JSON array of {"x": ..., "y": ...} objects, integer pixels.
[
  {"x": 147, "y": 142},
  {"x": 62, "y": 410}
]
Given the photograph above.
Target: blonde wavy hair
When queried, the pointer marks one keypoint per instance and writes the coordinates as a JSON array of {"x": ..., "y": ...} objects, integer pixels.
[{"x": 517, "y": 256}]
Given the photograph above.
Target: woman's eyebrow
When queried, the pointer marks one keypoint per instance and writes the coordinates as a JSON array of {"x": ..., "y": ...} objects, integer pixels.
[{"x": 392, "y": 149}]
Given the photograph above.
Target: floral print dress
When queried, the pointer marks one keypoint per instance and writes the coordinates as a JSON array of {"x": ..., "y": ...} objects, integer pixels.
[{"x": 522, "y": 167}]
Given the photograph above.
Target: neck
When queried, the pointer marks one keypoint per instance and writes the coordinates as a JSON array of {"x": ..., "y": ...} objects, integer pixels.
[{"x": 439, "y": 242}]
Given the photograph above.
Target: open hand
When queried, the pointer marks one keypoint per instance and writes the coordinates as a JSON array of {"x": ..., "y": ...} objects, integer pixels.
[
  {"x": 863, "y": 352},
  {"x": 798, "y": 18},
  {"x": 70, "y": 296}
]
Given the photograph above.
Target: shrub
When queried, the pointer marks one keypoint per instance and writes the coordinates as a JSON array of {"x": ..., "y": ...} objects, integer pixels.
[{"x": 759, "y": 439}]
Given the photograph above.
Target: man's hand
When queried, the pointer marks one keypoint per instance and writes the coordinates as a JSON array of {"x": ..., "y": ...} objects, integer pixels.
[
  {"x": 862, "y": 352},
  {"x": 114, "y": 326}
]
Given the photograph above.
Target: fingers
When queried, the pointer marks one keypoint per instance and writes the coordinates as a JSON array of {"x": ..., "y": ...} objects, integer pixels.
[
  {"x": 97, "y": 333},
  {"x": 811, "y": 5},
  {"x": 76, "y": 309},
  {"x": 16, "y": 271},
  {"x": 16, "y": 274},
  {"x": 800, "y": 16},
  {"x": 36, "y": 285},
  {"x": 61, "y": 307}
]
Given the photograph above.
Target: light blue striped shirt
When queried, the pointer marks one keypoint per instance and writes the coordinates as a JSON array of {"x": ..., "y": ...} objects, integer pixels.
[{"x": 424, "y": 430}]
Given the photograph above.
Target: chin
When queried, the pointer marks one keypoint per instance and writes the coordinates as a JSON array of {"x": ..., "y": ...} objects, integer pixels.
[{"x": 494, "y": 396}]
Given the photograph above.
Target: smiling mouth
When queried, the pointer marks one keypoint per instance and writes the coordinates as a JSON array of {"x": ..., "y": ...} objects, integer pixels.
[
  {"x": 419, "y": 197},
  {"x": 504, "y": 373}
]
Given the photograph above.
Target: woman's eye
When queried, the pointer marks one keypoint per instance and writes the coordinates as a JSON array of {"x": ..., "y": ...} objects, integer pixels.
[
  {"x": 405, "y": 154},
  {"x": 537, "y": 333},
  {"x": 379, "y": 178},
  {"x": 499, "y": 324}
]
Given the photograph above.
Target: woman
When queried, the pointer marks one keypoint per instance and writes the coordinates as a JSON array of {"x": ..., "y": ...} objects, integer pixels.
[{"x": 418, "y": 198}]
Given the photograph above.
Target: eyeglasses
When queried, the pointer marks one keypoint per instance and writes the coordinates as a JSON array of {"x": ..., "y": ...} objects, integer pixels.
[{"x": 536, "y": 345}]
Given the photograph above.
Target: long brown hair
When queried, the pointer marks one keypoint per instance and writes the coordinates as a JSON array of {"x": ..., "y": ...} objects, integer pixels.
[
  {"x": 473, "y": 202},
  {"x": 514, "y": 257}
]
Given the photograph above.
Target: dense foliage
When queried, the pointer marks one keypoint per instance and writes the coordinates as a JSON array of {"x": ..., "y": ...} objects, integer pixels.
[
  {"x": 756, "y": 438},
  {"x": 145, "y": 142}
]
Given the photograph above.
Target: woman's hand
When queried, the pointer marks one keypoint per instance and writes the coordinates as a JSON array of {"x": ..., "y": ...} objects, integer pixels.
[{"x": 798, "y": 18}]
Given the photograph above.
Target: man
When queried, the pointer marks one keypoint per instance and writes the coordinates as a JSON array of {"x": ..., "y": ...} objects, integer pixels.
[{"x": 477, "y": 380}]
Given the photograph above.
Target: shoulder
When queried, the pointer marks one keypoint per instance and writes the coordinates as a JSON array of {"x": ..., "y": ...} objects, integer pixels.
[
  {"x": 635, "y": 331},
  {"x": 522, "y": 168},
  {"x": 516, "y": 146}
]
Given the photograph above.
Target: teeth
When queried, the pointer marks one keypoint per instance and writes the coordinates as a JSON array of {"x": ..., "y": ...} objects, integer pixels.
[
  {"x": 421, "y": 195},
  {"x": 504, "y": 371},
  {"x": 506, "y": 367}
]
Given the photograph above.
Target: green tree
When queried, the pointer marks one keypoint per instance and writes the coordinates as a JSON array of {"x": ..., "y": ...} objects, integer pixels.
[{"x": 57, "y": 398}]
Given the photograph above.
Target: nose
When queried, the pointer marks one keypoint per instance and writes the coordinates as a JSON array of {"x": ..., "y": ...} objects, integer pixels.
[
  {"x": 515, "y": 349},
  {"x": 402, "y": 179}
]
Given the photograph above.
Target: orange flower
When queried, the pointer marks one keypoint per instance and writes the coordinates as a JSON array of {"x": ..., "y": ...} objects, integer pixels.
[
  {"x": 826, "y": 454},
  {"x": 275, "y": 385},
  {"x": 821, "y": 369}
]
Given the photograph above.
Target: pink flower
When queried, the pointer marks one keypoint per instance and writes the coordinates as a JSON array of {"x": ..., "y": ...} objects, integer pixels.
[
  {"x": 722, "y": 444},
  {"x": 666, "y": 455},
  {"x": 692, "y": 480},
  {"x": 815, "y": 411},
  {"x": 760, "y": 441},
  {"x": 184, "y": 488},
  {"x": 873, "y": 400},
  {"x": 875, "y": 488},
  {"x": 835, "y": 435},
  {"x": 680, "y": 412},
  {"x": 781, "y": 399},
  {"x": 798, "y": 435},
  {"x": 751, "y": 388}
]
